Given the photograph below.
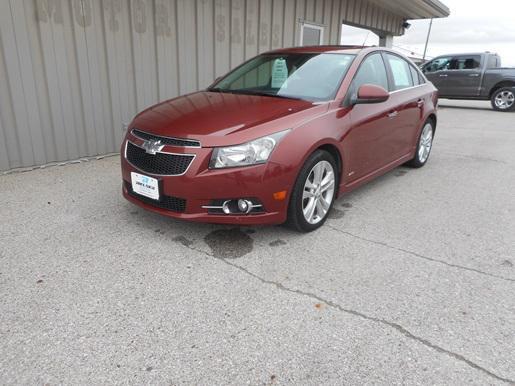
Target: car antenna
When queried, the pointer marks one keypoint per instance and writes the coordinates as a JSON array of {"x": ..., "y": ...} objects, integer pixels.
[{"x": 364, "y": 41}]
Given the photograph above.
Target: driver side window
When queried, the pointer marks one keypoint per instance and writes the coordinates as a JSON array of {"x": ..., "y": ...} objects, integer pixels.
[
  {"x": 439, "y": 64},
  {"x": 371, "y": 71}
]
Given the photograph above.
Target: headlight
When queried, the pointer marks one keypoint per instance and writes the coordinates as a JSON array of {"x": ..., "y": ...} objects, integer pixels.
[{"x": 251, "y": 153}]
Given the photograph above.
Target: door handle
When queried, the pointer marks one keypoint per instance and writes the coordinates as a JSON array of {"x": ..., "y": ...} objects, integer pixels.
[
  {"x": 393, "y": 114},
  {"x": 474, "y": 75},
  {"x": 420, "y": 102},
  {"x": 443, "y": 75}
]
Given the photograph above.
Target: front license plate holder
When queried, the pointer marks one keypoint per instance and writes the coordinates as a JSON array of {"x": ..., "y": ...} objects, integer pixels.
[{"x": 145, "y": 185}]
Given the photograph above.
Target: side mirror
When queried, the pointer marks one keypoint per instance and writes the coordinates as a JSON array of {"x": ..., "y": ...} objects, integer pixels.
[{"x": 370, "y": 93}]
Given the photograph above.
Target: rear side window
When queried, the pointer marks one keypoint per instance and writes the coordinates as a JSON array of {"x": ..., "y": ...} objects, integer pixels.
[
  {"x": 401, "y": 72},
  {"x": 371, "y": 71},
  {"x": 472, "y": 62},
  {"x": 414, "y": 75}
]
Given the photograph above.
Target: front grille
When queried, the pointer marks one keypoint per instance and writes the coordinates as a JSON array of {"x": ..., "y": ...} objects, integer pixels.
[
  {"x": 159, "y": 163},
  {"x": 173, "y": 204},
  {"x": 166, "y": 140}
]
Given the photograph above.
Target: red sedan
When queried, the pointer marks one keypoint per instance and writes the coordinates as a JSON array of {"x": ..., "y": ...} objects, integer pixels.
[{"x": 280, "y": 137}]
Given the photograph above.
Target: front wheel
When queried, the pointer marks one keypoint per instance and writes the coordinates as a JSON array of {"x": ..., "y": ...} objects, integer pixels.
[
  {"x": 425, "y": 143},
  {"x": 503, "y": 99},
  {"x": 313, "y": 193}
]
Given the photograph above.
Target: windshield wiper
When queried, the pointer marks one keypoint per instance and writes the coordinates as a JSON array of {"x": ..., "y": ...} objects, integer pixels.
[
  {"x": 217, "y": 89},
  {"x": 263, "y": 93},
  {"x": 253, "y": 92},
  {"x": 279, "y": 96}
]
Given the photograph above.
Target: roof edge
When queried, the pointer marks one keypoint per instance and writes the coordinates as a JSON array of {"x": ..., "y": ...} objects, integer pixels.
[{"x": 438, "y": 6}]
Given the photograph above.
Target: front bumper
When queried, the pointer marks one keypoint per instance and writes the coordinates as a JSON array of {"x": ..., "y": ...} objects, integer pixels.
[{"x": 199, "y": 186}]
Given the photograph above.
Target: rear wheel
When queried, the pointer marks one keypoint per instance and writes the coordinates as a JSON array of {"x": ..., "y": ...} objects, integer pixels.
[
  {"x": 503, "y": 99},
  {"x": 314, "y": 192},
  {"x": 425, "y": 143}
]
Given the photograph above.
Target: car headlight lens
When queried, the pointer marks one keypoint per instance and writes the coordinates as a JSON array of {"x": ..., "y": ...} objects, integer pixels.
[{"x": 251, "y": 153}]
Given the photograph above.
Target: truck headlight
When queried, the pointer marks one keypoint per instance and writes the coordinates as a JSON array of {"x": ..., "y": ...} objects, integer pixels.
[{"x": 251, "y": 153}]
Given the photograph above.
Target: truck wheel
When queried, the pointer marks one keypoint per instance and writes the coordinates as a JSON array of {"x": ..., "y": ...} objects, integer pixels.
[{"x": 503, "y": 99}]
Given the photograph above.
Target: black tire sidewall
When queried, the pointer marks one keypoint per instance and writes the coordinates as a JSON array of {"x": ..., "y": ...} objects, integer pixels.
[{"x": 295, "y": 214}]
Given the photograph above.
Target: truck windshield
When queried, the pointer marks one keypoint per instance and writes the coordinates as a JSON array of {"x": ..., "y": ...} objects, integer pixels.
[{"x": 312, "y": 77}]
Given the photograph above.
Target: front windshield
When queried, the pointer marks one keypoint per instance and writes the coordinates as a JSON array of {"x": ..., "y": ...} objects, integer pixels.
[{"x": 312, "y": 77}]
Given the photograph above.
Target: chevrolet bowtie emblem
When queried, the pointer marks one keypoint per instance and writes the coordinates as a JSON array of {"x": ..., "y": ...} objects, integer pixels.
[{"x": 152, "y": 147}]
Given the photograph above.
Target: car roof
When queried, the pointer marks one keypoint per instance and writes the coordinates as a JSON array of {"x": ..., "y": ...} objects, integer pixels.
[
  {"x": 333, "y": 49},
  {"x": 319, "y": 49},
  {"x": 467, "y": 54}
]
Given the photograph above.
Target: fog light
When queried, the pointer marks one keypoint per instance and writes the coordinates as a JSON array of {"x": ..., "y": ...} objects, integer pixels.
[
  {"x": 225, "y": 207},
  {"x": 244, "y": 205},
  {"x": 236, "y": 206}
]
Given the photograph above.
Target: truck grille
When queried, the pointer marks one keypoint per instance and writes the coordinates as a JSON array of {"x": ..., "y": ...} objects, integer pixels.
[
  {"x": 166, "y": 140},
  {"x": 159, "y": 163},
  {"x": 174, "y": 204}
]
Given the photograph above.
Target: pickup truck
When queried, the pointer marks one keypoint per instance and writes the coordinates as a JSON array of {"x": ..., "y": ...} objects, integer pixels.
[{"x": 473, "y": 76}]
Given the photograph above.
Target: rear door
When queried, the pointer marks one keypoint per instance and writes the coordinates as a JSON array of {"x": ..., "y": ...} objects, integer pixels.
[
  {"x": 407, "y": 102},
  {"x": 464, "y": 76}
]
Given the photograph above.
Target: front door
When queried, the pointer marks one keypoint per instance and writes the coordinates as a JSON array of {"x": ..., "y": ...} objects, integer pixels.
[
  {"x": 437, "y": 72},
  {"x": 369, "y": 137}
]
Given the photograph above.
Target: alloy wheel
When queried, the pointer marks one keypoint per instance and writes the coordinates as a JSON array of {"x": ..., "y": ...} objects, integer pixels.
[
  {"x": 426, "y": 141},
  {"x": 504, "y": 100},
  {"x": 318, "y": 193}
]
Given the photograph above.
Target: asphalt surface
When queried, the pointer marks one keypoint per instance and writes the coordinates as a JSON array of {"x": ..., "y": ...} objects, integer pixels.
[{"x": 411, "y": 281}]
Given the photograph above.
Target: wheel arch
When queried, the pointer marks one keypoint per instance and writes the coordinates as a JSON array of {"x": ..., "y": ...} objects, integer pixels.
[
  {"x": 294, "y": 219},
  {"x": 335, "y": 153},
  {"x": 432, "y": 117},
  {"x": 502, "y": 84}
]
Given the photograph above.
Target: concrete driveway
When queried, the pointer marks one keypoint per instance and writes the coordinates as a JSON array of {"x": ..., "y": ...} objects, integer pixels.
[{"x": 411, "y": 281}]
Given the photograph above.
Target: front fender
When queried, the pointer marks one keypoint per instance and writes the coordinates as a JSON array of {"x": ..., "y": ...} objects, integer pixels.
[{"x": 295, "y": 148}]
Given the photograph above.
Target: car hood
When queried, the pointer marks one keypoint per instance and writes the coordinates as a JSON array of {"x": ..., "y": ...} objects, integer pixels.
[{"x": 219, "y": 118}]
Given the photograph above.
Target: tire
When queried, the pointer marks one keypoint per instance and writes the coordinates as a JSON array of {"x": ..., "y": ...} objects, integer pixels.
[
  {"x": 503, "y": 99},
  {"x": 424, "y": 145},
  {"x": 308, "y": 195}
]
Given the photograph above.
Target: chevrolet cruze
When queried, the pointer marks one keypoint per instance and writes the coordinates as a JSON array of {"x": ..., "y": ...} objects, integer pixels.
[{"x": 280, "y": 137}]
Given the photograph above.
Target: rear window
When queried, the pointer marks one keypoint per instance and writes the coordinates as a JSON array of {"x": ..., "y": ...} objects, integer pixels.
[{"x": 493, "y": 61}]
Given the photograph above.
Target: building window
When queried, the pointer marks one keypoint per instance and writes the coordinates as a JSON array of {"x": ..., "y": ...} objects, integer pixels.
[{"x": 311, "y": 34}]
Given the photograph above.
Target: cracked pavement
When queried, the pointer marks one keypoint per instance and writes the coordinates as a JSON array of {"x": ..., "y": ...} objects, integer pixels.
[{"x": 411, "y": 280}]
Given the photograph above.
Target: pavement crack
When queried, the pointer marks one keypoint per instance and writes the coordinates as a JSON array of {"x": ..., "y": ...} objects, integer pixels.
[
  {"x": 361, "y": 315},
  {"x": 418, "y": 255}
]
